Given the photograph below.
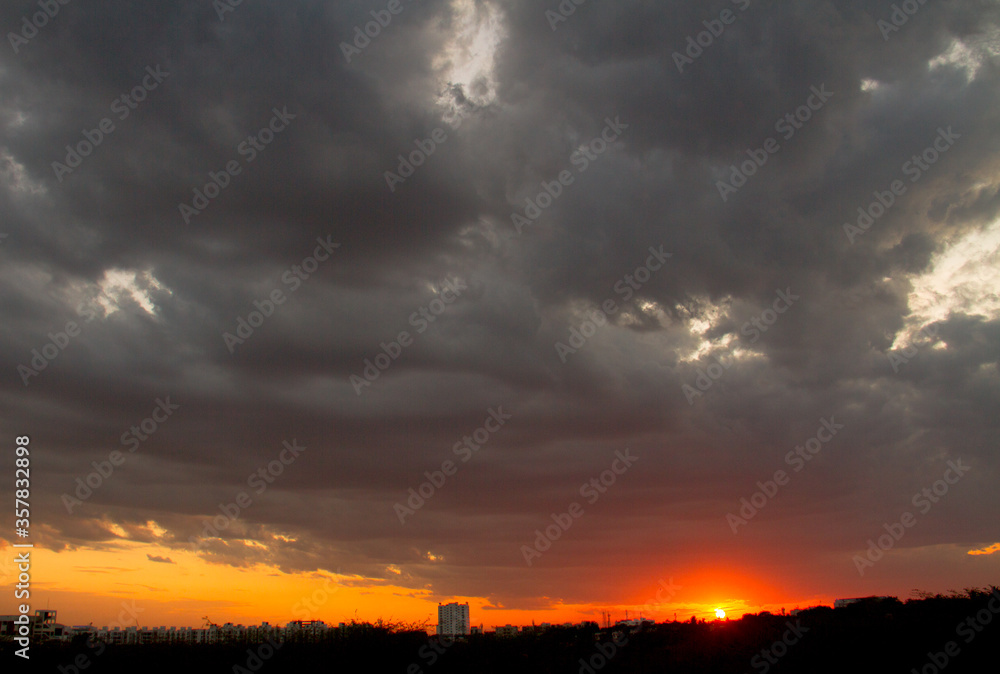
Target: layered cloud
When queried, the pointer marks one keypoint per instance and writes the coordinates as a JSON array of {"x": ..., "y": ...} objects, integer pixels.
[{"x": 280, "y": 138}]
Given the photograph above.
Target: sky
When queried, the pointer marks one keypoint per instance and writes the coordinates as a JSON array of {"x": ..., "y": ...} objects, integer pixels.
[{"x": 339, "y": 310}]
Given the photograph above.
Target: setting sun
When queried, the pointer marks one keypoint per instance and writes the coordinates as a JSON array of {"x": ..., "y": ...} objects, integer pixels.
[{"x": 720, "y": 614}]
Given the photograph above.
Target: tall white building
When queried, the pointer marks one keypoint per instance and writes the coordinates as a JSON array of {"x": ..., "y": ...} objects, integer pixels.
[{"x": 453, "y": 619}]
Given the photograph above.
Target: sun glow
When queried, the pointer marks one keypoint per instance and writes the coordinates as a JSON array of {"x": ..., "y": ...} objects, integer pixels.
[{"x": 720, "y": 614}]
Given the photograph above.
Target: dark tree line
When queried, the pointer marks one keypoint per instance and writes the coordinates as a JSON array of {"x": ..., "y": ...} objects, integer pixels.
[{"x": 959, "y": 632}]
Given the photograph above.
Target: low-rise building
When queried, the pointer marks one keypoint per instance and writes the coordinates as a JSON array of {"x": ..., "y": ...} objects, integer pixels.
[{"x": 42, "y": 626}]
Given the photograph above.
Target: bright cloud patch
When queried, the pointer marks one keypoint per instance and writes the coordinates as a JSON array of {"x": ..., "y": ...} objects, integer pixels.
[
  {"x": 702, "y": 320},
  {"x": 986, "y": 551},
  {"x": 969, "y": 54},
  {"x": 467, "y": 62},
  {"x": 963, "y": 279},
  {"x": 13, "y": 173},
  {"x": 119, "y": 284}
]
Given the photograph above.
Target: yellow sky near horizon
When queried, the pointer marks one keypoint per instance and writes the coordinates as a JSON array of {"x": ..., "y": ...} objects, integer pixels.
[{"x": 123, "y": 585}]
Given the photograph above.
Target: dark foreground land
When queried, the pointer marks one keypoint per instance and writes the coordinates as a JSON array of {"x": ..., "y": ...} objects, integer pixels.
[{"x": 958, "y": 633}]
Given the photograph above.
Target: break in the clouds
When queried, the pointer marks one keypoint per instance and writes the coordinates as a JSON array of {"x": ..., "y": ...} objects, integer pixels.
[{"x": 739, "y": 219}]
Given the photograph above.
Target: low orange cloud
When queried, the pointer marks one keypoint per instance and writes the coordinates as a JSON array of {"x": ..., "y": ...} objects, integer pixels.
[{"x": 986, "y": 551}]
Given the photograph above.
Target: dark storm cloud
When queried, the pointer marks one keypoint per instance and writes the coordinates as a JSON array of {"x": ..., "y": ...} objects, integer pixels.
[{"x": 322, "y": 177}]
